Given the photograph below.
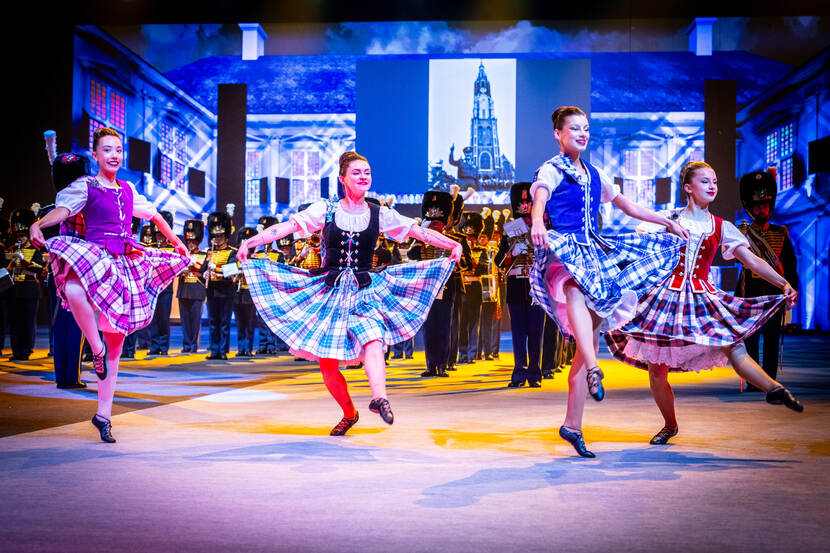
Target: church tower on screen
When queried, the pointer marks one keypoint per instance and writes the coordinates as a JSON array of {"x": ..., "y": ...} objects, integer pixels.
[{"x": 484, "y": 136}]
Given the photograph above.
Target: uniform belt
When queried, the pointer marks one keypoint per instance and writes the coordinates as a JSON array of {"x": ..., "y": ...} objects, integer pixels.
[
  {"x": 520, "y": 272},
  {"x": 468, "y": 279}
]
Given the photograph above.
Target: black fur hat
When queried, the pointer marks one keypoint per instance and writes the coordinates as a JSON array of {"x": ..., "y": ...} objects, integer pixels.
[
  {"x": 68, "y": 168},
  {"x": 245, "y": 233},
  {"x": 758, "y": 187},
  {"x": 194, "y": 229},
  {"x": 21, "y": 220},
  {"x": 436, "y": 206},
  {"x": 520, "y": 192},
  {"x": 168, "y": 218},
  {"x": 219, "y": 223},
  {"x": 471, "y": 223}
]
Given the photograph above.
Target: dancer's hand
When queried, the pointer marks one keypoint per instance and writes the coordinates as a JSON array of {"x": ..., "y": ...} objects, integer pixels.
[
  {"x": 790, "y": 294},
  {"x": 538, "y": 233},
  {"x": 242, "y": 252},
  {"x": 36, "y": 236},
  {"x": 456, "y": 253},
  {"x": 674, "y": 228}
]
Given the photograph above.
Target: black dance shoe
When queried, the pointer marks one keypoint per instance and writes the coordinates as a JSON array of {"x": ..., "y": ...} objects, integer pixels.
[
  {"x": 516, "y": 384},
  {"x": 666, "y": 433},
  {"x": 575, "y": 439},
  {"x": 452, "y": 368},
  {"x": 104, "y": 426},
  {"x": 99, "y": 363},
  {"x": 344, "y": 425},
  {"x": 782, "y": 396},
  {"x": 534, "y": 384},
  {"x": 75, "y": 386},
  {"x": 442, "y": 372},
  {"x": 382, "y": 408},
  {"x": 595, "y": 387},
  {"x": 547, "y": 375},
  {"x": 430, "y": 372}
]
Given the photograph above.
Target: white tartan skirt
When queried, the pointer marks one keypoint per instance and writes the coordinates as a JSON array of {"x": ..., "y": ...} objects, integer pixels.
[
  {"x": 319, "y": 321},
  {"x": 612, "y": 278}
]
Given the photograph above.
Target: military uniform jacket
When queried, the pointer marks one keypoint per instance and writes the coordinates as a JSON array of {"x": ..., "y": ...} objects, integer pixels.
[
  {"x": 26, "y": 272},
  {"x": 218, "y": 286},
  {"x": 774, "y": 246}
]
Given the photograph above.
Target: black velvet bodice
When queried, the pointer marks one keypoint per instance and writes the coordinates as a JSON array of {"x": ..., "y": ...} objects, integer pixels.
[{"x": 349, "y": 250}]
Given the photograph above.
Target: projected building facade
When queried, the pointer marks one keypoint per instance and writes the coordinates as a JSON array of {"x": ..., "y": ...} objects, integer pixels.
[{"x": 482, "y": 165}]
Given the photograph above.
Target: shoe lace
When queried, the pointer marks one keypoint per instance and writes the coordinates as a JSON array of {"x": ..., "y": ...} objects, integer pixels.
[{"x": 594, "y": 379}]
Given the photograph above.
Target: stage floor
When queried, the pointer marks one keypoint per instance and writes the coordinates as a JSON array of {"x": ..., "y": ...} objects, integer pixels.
[{"x": 236, "y": 456}]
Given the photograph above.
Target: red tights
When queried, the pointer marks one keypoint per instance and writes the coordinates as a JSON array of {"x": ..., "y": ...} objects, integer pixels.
[{"x": 337, "y": 386}]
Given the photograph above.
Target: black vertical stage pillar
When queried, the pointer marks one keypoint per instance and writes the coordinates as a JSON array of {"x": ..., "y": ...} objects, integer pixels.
[
  {"x": 230, "y": 163},
  {"x": 720, "y": 136}
]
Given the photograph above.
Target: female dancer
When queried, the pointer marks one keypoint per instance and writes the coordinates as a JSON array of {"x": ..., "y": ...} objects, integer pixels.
[
  {"x": 586, "y": 282},
  {"x": 342, "y": 312},
  {"x": 108, "y": 280},
  {"x": 685, "y": 323}
]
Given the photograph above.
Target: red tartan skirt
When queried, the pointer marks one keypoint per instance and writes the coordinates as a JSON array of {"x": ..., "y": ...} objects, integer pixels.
[{"x": 688, "y": 331}]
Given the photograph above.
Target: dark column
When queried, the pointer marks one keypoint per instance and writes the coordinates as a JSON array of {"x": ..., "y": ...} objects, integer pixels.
[
  {"x": 230, "y": 160},
  {"x": 41, "y": 101},
  {"x": 720, "y": 135}
]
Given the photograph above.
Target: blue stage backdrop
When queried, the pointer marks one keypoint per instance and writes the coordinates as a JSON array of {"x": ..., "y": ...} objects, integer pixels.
[{"x": 391, "y": 122}]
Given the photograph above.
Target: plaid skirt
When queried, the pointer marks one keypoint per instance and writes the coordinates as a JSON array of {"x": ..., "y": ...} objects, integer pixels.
[
  {"x": 336, "y": 322},
  {"x": 612, "y": 278},
  {"x": 687, "y": 331},
  {"x": 123, "y": 288}
]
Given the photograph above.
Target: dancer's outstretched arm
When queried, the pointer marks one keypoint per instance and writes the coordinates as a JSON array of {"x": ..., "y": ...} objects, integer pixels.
[
  {"x": 168, "y": 233},
  {"x": 54, "y": 217},
  {"x": 274, "y": 232},
  {"x": 761, "y": 268},
  {"x": 436, "y": 239},
  {"x": 639, "y": 212}
]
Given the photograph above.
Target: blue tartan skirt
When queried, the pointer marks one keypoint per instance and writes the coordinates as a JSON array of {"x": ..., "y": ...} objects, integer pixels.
[
  {"x": 612, "y": 277},
  {"x": 319, "y": 321}
]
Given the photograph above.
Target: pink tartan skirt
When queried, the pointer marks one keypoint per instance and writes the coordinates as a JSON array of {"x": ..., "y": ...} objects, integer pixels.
[
  {"x": 687, "y": 331},
  {"x": 123, "y": 288}
]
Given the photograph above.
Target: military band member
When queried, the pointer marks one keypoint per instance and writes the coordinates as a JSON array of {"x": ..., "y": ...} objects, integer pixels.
[
  {"x": 771, "y": 243},
  {"x": 25, "y": 263},
  {"x": 192, "y": 288},
  {"x": 268, "y": 341},
  {"x": 471, "y": 226},
  {"x": 456, "y": 279},
  {"x": 141, "y": 337},
  {"x": 436, "y": 211},
  {"x": 67, "y": 336},
  {"x": 489, "y": 292},
  {"x": 159, "y": 327},
  {"x": 243, "y": 306},
  {"x": 220, "y": 290},
  {"x": 526, "y": 320}
]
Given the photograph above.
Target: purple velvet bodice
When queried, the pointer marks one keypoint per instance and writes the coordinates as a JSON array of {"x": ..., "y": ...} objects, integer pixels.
[{"x": 108, "y": 214}]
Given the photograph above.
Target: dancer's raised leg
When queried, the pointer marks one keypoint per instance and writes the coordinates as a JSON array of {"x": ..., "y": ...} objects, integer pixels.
[
  {"x": 583, "y": 326},
  {"x": 749, "y": 370}
]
